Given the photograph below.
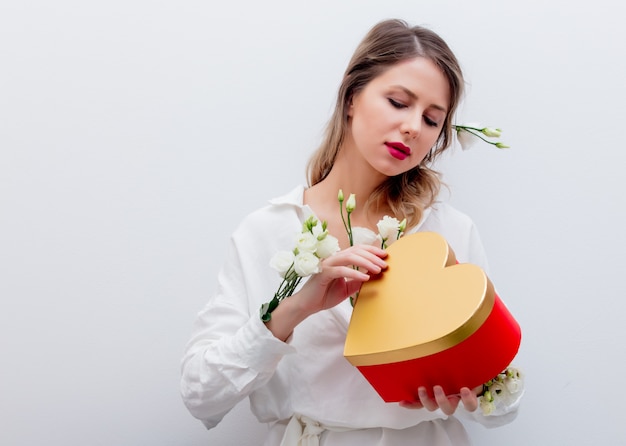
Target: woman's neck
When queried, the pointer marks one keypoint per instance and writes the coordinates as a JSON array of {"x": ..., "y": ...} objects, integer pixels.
[
  {"x": 322, "y": 197},
  {"x": 353, "y": 175}
]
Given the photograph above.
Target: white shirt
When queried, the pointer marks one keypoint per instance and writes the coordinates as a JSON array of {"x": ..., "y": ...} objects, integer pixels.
[{"x": 232, "y": 355}]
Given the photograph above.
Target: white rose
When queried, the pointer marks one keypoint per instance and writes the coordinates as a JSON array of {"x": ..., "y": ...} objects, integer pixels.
[
  {"x": 514, "y": 385},
  {"x": 498, "y": 392},
  {"x": 306, "y": 242},
  {"x": 514, "y": 379},
  {"x": 282, "y": 261},
  {"x": 365, "y": 236},
  {"x": 327, "y": 246},
  {"x": 466, "y": 138},
  {"x": 487, "y": 406},
  {"x": 306, "y": 263},
  {"x": 514, "y": 372},
  {"x": 318, "y": 231},
  {"x": 389, "y": 228}
]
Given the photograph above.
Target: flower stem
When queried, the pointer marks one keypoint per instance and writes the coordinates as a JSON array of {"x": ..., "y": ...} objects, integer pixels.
[
  {"x": 347, "y": 225},
  {"x": 350, "y": 230},
  {"x": 476, "y": 132}
]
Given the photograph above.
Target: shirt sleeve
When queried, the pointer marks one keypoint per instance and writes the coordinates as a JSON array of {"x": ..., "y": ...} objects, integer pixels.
[{"x": 231, "y": 352}]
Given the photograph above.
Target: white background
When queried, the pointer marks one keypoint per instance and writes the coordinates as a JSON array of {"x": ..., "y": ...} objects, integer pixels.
[{"x": 135, "y": 134}]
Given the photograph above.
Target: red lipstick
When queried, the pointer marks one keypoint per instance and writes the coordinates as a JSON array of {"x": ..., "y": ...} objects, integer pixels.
[{"x": 398, "y": 150}]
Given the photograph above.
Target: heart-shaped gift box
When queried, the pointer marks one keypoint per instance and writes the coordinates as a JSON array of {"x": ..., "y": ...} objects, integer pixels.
[{"x": 428, "y": 320}]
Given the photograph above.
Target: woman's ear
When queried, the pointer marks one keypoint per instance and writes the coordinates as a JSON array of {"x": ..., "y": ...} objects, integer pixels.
[{"x": 350, "y": 106}]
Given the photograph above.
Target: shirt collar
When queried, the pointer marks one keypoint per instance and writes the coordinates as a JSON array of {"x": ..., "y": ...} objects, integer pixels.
[{"x": 296, "y": 198}]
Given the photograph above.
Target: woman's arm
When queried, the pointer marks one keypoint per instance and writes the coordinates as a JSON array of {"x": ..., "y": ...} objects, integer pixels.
[{"x": 231, "y": 352}]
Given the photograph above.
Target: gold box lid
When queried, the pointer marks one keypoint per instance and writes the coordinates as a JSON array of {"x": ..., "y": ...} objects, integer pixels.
[{"x": 424, "y": 302}]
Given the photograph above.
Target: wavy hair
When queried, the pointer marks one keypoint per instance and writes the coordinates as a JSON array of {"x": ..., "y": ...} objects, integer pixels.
[{"x": 386, "y": 44}]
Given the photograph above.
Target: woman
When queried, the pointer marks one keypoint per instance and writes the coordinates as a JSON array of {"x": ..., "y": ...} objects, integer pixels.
[{"x": 393, "y": 117}]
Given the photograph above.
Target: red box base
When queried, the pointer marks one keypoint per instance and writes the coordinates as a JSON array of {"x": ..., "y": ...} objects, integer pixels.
[{"x": 476, "y": 360}]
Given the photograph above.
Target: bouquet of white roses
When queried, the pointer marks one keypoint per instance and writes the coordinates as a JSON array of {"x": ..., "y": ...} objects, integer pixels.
[
  {"x": 501, "y": 390},
  {"x": 313, "y": 245}
]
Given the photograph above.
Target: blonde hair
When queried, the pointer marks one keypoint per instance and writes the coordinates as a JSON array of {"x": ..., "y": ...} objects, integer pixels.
[{"x": 386, "y": 44}]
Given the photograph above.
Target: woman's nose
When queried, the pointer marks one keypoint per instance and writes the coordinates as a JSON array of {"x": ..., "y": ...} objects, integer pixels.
[{"x": 412, "y": 125}]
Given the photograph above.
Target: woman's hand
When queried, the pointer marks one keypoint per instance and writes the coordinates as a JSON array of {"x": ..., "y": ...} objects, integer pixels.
[
  {"x": 447, "y": 403},
  {"x": 337, "y": 280}
]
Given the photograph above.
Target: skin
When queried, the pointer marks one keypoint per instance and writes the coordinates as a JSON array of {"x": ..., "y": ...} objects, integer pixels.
[{"x": 408, "y": 104}]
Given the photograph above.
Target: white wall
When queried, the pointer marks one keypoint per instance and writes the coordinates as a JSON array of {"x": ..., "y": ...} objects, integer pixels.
[{"x": 134, "y": 134}]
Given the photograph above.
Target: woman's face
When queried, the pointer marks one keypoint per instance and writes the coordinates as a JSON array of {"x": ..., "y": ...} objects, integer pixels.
[{"x": 397, "y": 118}]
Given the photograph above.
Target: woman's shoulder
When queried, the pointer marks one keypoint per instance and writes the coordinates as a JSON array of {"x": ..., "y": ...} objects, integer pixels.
[
  {"x": 459, "y": 230},
  {"x": 445, "y": 216},
  {"x": 287, "y": 203}
]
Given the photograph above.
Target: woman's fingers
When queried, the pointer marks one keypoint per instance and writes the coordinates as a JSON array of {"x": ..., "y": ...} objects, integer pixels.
[
  {"x": 469, "y": 398},
  {"x": 367, "y": 258},
  {"x": 341, "y": 276},
  {"x": 428, "y": 403},
  {"x": 447, "y": 403},
  {"x": 411, "y": 404}
]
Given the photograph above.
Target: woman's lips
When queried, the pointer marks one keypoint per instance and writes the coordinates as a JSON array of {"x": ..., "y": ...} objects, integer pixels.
[{"x": 398, "y": 150}]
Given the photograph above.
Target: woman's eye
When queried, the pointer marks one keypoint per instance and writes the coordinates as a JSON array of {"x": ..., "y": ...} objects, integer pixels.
[
  {"x": 396, "y": 104},
  {"x": 430, "y": 122}
]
